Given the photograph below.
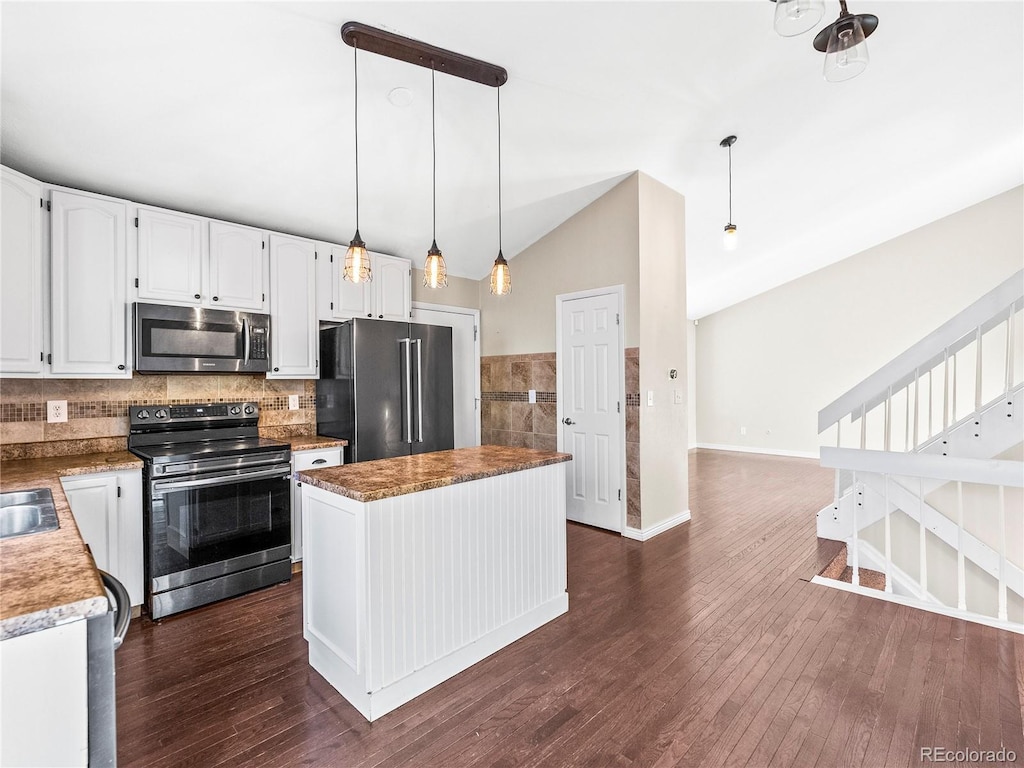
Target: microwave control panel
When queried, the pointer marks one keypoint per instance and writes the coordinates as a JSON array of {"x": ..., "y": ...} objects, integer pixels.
[{"x": 258, "y": 344}]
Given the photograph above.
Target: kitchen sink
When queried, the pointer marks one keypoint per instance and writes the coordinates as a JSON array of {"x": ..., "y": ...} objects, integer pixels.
[{"x": 25, "y": 512}]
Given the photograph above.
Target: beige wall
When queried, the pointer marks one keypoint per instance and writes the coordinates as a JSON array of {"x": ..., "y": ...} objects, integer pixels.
[
  {"x": 663, "y": 425},
  {"x": 460, "y": 291},
  {"x": 691, "y": 384},
  {"x": 771, "y": 362},
  {"x": 596, "y": 248}
]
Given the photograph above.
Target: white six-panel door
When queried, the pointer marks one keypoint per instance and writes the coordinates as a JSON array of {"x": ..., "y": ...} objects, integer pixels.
[{"x": 590, "y": 362}]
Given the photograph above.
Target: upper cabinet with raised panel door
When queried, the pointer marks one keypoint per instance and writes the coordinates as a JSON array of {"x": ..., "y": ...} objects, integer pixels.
[
  {"x": 237, "y": 267},
  {"x": 388, "y": 296},
  {"x": 172, "y": 256},
  {"x": 88, "y": 286},
  {"x": 294, "y": 337},
  {"x": 186, "y": 259},
  {"x": 21, "y": 274}
]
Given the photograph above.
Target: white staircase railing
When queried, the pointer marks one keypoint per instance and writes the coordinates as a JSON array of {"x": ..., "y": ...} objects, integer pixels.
[
  {"x": 920, "y": 466},
  {"x": 968, "y": 364}
]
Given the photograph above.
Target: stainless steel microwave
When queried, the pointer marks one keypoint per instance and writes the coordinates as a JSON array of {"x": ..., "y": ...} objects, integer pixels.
[{"x": 171, "y": 339}]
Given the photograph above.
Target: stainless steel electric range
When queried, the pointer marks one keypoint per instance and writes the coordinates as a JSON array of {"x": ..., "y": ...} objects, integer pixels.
[{"x": 217, "y": 503}]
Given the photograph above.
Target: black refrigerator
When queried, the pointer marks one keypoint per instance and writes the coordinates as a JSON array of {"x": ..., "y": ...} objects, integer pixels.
[{"x": 386, "y": 387}]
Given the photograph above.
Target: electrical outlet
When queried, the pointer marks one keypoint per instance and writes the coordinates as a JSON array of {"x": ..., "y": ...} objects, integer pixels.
[
  {"x": 293, "y": 402},
  {"x": 743, "y": 431},
  {"x": 650, "y": 397},
  {"x": 677, "y": 396},
  {"x": 531, "y": 396},
  {"x": 56, "y": 411}
]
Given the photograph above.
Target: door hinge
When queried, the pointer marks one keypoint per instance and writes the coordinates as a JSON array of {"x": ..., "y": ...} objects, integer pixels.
[
  {"x": 119, "y": 491},
  {"x": 136, "y": 222},
  {"x": 620, "y": 494},
  {"x": 136, "y": 282}
]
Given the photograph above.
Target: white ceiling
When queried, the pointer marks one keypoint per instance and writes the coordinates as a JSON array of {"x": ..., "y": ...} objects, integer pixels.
[{"x": 242, "y": 111}]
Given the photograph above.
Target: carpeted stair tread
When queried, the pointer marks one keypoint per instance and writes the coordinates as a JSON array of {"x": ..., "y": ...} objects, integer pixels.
[{"x": 838, "y": 569}]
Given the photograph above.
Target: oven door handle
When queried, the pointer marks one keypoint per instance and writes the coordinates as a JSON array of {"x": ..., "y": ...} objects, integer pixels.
[{"x": 162, "y": 486}]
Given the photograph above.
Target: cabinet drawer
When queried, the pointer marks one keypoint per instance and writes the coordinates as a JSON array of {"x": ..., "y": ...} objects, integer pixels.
[{"x": 318, "y": 459}]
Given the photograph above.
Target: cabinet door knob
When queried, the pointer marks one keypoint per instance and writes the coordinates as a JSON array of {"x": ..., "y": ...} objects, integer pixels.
[
  {"x": 216, "y": 298},
  {"x": 198, "y": 296},
  {"x": 276, "y": 370},
  {"x": 380, "y": 316},
  {"x": 120, "y": 367},
  {"x": 370, "y": 314}
]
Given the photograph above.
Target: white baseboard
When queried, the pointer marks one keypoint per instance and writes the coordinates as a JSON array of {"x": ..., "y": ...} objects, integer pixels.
[
  {"x": 643, "y": 535},
  {"x": 766, "y": 451},
  {"x": 911, "y": 602}
]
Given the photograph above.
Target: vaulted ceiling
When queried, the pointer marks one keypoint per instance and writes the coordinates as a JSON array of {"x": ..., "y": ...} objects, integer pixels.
[{"x": 243, "y": 111}]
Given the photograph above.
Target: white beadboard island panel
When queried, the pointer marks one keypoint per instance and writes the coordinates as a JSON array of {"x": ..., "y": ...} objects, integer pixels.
[{"x": 402, "y": 593}]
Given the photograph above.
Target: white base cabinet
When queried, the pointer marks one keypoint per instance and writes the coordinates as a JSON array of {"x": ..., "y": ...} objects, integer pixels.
[
  {"x": 399, "y": 595},
  {"x": 318, "y": 458},
  {"x": 107, "y": 507},
  {"x": 44, "y": 698}
]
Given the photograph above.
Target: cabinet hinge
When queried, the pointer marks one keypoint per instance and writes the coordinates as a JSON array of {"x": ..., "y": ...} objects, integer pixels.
[
  {"x": 264, "y": 297},
  {"x": 49, "y": 359},
  {"x": 474, "y": 333},
  {"x": 332, "y": 305},
  {"x": 332, "y": 258},
  {"x": 136, "y": 222},
  {"x": 264, "y": 245},
  {"x": 618, "y": 406},
  {"x": 119, "y": 491},
  {"x": 48, "y": 205},
  {"x": 41, "y": 357},
  {"x": 41, "y": 201},
  {"x": 616, "y": 318},
  {"x": 136, "y": 282},
  {"x": 315, "y": 256},
  {"x": 620, "y": 494}
]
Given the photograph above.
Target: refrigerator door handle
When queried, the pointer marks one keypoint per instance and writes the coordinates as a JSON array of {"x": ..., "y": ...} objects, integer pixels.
[
  {"x": 408, "y": 388},
  {"x": 419, "y": 388}
]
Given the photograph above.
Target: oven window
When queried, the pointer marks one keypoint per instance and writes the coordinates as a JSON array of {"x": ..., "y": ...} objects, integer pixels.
[
  {"x": 165, "y": 338},
  {"x": 200, "y": 526}
]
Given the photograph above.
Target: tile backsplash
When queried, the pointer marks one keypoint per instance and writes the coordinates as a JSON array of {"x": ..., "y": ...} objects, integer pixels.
[{"x": 98, "y": 408}]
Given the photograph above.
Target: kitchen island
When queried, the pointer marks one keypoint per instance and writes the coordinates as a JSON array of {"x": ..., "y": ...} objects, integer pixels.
[{"x": 415, "y": 568}]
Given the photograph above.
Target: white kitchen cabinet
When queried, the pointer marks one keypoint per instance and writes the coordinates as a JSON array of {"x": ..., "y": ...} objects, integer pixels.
[
  {"x": 319, "y": 458},
  {"x": 172, "y": 256},
  {"x": 44, "y": 699},
  {"x": 294, "y": 333},
  {"x": 21, "y": 274},
  {"x": 388, "y": 296},
  {"x": 107, "y": 507},
  {"x": 88, "y": 286},
  {"x": 237, "y": 267}
]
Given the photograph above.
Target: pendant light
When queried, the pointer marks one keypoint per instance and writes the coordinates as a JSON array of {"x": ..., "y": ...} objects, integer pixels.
[
  {"x": 794, "y": 17},
  {"x": 501, "y": 278},
  {"x": 357, "y": 261},
  {"x": 844, "y": 46},
  {"x": 434, "y": 273},
  {"x": 730, "y": 235}
]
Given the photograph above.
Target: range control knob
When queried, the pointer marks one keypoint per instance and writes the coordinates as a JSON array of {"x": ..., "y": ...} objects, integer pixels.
[
  {"x": 143, "y": 414},
  {"x": 160, "y": 414},
  {"x": 235, "y": 410},
  {"x": 250, "y": 410}
]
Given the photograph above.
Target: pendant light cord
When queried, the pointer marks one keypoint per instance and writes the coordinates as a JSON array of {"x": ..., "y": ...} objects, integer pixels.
[
  {"x": 730, "y": 183},
  {"x": 355, "y": 71},
  {"x": 499, "y": 168},
  {"x": 433, "y": 142}
]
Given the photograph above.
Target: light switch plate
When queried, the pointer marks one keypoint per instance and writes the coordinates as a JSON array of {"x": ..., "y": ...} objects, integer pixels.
[
  {"x": 677, "y": 396},
  {"x": 293, "y": 402},
  {"x": 650, "y": 397},
  {"x": 56, "y": 411}
]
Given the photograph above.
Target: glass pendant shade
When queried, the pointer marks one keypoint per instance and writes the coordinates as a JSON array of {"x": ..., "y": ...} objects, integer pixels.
[
  {"x": 730, "y": 237},
  {"x": 435, "y": 274},
  {"x": 357, "y": 262},
  {"x": 794, "y": 17},
  {"x": 847, "y": 53},
  {"x": 501, "y": 278}
]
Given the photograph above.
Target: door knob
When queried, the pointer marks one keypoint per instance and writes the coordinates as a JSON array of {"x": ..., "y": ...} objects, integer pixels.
[{"x": 568, "y": 422}]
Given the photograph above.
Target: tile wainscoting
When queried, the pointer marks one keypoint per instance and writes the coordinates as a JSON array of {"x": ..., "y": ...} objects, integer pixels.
[
  {"x": 508, "y": 418},
  {"x": 98, "y": 409}
]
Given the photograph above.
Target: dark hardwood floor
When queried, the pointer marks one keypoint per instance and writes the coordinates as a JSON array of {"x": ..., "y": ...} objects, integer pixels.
[{"x": 703, "y": 646}]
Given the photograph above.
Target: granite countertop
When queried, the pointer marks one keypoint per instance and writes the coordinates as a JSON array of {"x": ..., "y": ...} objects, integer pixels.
[
  {"x": 374, "y": 480},
  {"x": 50, "y": 578},
  {"x": 312, "y": 442}
]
